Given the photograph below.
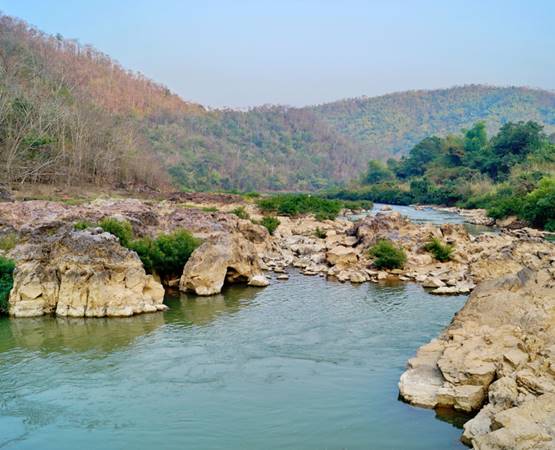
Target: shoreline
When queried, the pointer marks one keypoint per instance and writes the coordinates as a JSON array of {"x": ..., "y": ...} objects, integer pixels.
[{"x": 336, "y": 249}]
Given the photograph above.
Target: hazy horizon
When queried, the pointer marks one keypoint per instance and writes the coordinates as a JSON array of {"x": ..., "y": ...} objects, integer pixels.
[{"x": 302, "y": 53}]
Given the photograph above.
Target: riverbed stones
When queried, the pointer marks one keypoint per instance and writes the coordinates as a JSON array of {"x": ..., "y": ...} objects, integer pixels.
[
  {"x": 81, "y": 274},
  {"x": 227, "y": 258}
]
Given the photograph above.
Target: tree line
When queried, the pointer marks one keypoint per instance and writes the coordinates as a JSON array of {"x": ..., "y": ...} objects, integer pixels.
[{"x": 510, "y": 173}]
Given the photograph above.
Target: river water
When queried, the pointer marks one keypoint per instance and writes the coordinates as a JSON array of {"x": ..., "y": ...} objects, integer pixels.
[
  {"x": 301, "y": 364},
  {"x": 427, "y": 215}
]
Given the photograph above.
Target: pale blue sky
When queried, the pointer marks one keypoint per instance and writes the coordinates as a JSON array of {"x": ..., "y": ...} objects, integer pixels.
[{"x": 241, "y": 53}]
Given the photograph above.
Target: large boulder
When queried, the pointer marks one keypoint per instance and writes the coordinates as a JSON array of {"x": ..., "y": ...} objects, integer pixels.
[
  {"x": 226, "y": 258},
  {"x": 81, "y": 274},
  {"x": 505, "y": 332}
]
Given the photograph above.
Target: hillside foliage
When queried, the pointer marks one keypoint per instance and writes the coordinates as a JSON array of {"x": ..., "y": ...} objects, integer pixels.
[
  {"x": 510, "y": 174},
  {"x": 70, "y": 114}
]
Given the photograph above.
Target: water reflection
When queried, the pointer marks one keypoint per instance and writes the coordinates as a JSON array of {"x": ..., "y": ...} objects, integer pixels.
[
  {"x": 60, "y": 334},
  {"x": 63, "y": 334},
  {"x": 196, "y": 310}
]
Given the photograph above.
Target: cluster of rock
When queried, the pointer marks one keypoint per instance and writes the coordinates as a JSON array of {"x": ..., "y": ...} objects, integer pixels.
[
  {"x": 109, "y": 282},
  {"x": 80, "y": 274},
  {"x": 498, "y": 351},
  {"x": 340, "y": 249},
  {"x": 476, "y": 216}
]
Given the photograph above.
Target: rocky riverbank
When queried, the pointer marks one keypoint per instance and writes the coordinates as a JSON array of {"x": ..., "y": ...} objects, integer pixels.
[
  {"x": 497, "y": 357},
  {"x": 239, "y": 250}
]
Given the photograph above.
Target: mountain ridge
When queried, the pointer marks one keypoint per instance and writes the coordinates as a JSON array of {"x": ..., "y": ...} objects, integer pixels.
[{"x": 72, "y": 114}]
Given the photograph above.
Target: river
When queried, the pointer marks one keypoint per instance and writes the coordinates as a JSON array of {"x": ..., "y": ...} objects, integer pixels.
[
  {"x": 303, "y": 364},
  {"x": 427, "y": 215}
]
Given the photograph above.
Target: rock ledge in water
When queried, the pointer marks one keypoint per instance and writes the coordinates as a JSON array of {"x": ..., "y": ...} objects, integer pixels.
[
  {"x": 227, "y": 258},
  {"x": 499, "y": 350},
  {"x": 81, "y": 274}
]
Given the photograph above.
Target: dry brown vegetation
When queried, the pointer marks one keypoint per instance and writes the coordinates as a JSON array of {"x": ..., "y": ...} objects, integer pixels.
[{"x": 71, "y": 115}]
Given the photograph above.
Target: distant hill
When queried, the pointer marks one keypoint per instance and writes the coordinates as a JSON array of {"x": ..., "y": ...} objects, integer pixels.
[
  {"x": 306, "y": 148},
  {"x": 392, "y": 124},
  {"x": 70, "y": 114}
]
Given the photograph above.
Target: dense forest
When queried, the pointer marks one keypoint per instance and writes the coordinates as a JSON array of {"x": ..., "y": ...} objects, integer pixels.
[
  {"x": 69, "y": 114},
  {"x": 512, "y": 173}
]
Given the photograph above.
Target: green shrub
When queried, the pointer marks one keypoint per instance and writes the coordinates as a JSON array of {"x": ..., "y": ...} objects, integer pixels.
[
  {"x": 296, "y": 204},
  {"x": 167, "y": 254},
  {"x": 82, "y": 225},
  {"x": 240, "y": 212},
  {"x": 271, "y": 223},
  {"x": 8, "y": 241},
  {"x": 251, "y": 195},
  {"x": 382, "y": 193},
  {"x": 210, "y": 209},
  {"x": 319, "y": 233},
  {"x": 119, "y": 228},
  {"x": 357, "y": 204},
  {"x": 388, "y": 256},
  {"x": 442, "y": 252},
  {"x": 538, "y": 207},
  {"x": 7, "y": 266}
]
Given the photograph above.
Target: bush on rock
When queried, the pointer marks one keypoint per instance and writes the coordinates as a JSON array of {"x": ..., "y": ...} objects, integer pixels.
[
  {"x": 442, "y": 252},
  {"x": 167, "y": 254},
  {"x": 388, "y": 256}
]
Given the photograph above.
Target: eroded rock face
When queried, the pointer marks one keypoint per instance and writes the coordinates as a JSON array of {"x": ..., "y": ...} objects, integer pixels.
[
  {"x": 81, "y": 274},
  {"x": 500, "y": 351},
  {"x": 227, "y": 258}
]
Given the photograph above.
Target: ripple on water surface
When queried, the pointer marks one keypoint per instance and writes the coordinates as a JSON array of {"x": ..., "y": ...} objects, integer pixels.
[{"x": 302, "y": 364}]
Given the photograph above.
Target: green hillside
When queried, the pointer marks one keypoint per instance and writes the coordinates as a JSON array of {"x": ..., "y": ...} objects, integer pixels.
[
  {"x": 392, "y": 124},
  {"x": 280, "y": 148},
  {"x": 69, "y": 114}
]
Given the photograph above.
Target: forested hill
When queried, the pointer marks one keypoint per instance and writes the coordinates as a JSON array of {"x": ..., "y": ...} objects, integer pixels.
[
  {"x": 70, "y": 114},
  {"x": 391, "y": 124},
  {"x": 281, "y": 148}
]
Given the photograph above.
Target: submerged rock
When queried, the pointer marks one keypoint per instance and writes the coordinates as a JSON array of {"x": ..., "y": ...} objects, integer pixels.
[
  {"x": 227, "y": 258},
  {"x": 81, "y": 274}
]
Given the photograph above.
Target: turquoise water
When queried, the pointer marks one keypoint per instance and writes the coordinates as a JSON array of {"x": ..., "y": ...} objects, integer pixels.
[
  {"x": 302, "y": 364},
  {"x": 429, "y": 215}
]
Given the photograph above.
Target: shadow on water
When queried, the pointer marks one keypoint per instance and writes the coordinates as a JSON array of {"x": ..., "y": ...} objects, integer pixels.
[
  {"x": 190, "y": 309},
  {"x": 60, "y": 334},
  {"x": 75, "y": 334}
]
